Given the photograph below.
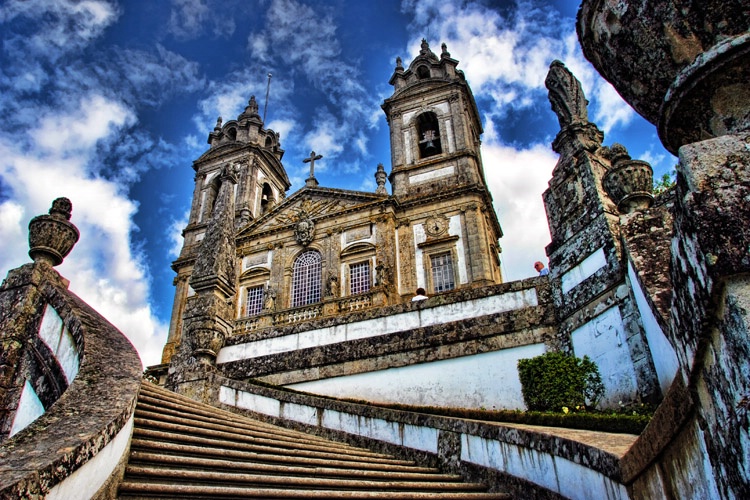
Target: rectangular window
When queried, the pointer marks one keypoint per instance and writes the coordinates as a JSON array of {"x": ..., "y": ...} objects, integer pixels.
[
  {"x": 442, "y": 272},
  {"x": 254, "y": 303},
  {"x": 359, "y": 278}
]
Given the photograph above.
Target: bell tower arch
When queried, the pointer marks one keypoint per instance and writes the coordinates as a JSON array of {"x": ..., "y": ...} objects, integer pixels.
[
  {"x": 438, "y": 177},
  {"x": 434, "y": 126}
]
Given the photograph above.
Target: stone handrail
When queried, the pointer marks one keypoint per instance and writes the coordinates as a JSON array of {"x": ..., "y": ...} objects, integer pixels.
[{"x": 87, "y": 430}]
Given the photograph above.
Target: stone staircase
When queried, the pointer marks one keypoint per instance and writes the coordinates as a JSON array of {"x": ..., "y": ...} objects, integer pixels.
[{"x": 185, "y": 449}]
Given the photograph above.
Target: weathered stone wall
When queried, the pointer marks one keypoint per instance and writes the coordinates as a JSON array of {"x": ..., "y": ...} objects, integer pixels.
[
  {"x": 456, "y": 349},
  {"x": 85, "y": 428},
  {"x": 515, "y": 458}
]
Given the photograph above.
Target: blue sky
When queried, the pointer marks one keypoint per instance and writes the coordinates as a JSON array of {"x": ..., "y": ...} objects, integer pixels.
[{"x": 109, "y": 102}]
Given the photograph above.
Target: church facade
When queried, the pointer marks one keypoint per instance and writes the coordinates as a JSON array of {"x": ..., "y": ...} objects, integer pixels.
[{"x": 326, "y": 252}]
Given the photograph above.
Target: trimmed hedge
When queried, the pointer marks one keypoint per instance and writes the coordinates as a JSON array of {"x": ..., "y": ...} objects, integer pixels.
[{"x": 554, "y": 381}]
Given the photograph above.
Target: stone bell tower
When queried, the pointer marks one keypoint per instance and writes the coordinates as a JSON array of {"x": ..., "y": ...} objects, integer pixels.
[
  {"x": 434, "y": 124},
  {"x": 253, "y": 154},
  {"x": 438, "y": 177}
]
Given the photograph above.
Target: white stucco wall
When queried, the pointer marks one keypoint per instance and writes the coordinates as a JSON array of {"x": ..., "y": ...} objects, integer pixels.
[
  {"x": 488, "y": 380},
  {"x": 558, "y": 474},
  {"x": 88, "y": 478},
  {"x": 380, "y": 326},
  {"x": 60, "y": 342},
  {"x": 29, "y": 409},
  {"x": 584, "y": 269},
  {"x": 662, "y": 352},
  {"x": 603, "y": 340}
]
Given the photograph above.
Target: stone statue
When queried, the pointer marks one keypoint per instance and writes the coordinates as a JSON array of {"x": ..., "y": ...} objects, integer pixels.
[
  {"x": 270, "y": 301},
  {"x": 566, "y": 95},
  {"x": 333, "y": 286}
]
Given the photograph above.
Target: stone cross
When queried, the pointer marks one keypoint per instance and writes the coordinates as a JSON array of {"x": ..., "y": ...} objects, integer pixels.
[{"x": 311, "y": 161}]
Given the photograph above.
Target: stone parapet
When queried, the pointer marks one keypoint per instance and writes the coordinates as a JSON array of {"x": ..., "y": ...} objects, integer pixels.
[{"x": 90, "y": 415}]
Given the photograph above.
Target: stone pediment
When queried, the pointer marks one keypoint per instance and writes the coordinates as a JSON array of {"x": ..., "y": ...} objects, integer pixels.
[{"x": 309, "y": 204}]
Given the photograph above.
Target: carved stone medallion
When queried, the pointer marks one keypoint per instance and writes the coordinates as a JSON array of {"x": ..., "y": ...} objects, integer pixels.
[{"x": 304, "y": 230}]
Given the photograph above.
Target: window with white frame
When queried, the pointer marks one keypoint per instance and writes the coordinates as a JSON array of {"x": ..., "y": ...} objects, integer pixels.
[
  {"x": 306, "y": 279},
  {"x": 359, "y": 277},
  {"x": 442, "y": 272},
  {"x": 254, "y": 300}
]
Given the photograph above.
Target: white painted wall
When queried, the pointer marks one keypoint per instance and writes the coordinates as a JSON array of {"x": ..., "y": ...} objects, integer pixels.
[
  {"x": 60, "y": 342},
  {"x": 586, "y": 268},
  {"x": 88, "y": 478},
  {"x": 380, "y": 326},
  {"x": 29, "y": 409},
  {"x": 488, "y": 380},
  {"x": 662, "y": 352},
  {"x": 603, "y": 340},
  {"x": 558, "y": 474}
]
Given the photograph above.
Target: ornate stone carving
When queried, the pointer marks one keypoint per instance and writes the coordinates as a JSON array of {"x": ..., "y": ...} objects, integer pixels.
[
  {"x": 566, "y": 95},
  {"x": 304, "y": 229},
  {"x": 684, "y": 67},
  {"x": 380, "y": 178},
  {"x": 52, "y": 237},
  {"x": 629, "y": 182}
]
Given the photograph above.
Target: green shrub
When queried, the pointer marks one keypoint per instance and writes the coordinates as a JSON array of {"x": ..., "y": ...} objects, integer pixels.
[{"x": 554, "y": 381}]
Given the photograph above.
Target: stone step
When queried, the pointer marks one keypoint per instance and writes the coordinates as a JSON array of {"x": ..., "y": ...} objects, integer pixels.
[
  {"x": 154, "y": 421},
  {"x": 185, "y": 449},
  {"x": 182, "y": 476},
  {"x": 218, "y": 452},
  {"x": 175, "y": 404},
  {"x": 187, "y": 462},
  {"x": 143, "y": 491}
]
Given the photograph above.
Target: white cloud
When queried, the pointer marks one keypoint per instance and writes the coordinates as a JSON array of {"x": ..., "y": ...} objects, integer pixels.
[
  {"x": 517, "y": 178},
  {"x": 59, "y": 159},
  {"x": 189, "y": 19}
]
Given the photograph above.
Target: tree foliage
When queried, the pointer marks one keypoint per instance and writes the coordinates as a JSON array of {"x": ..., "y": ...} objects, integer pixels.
[{"x": 554, "y": 381}]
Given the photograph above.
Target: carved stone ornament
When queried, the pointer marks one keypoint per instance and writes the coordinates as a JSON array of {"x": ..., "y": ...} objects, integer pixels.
[
  {"x": 51, "y": 237},
  {"x": 436, "y": 225},
  {"x": 566, "y": 95},
  {"x": 304, "y": 230}
]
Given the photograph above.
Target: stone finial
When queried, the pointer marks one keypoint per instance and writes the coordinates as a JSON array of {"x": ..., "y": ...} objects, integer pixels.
[
  {"x": 444, "y": 54},
  {"x": 251, "y": 110},
  {"x": 399, "y": 64},
  {"x": 628, "y": 182},
  {"x": 217, "y": 127},
  {"x": 52, "y": 237},
  {"x": 566, "y": 95},
  {"x": 425, "y": 50},
  {"x": 380, "y": 177}
]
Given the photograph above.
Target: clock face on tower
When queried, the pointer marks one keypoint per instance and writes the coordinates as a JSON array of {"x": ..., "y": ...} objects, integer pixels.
[{"x": 436, "y": 225}]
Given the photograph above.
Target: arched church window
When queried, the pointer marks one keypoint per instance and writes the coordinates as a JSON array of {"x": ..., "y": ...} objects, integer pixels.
[
  {"x": 232, "y": 134},
  {"x": 429, "y": 135},
  {"x": 212, "y": 193},
  {"x": 266, "y": 198},
  {"x": 423, "y": 72},
  {"x": 269, "y": 142},
  {"x": 306, "y": 279}
]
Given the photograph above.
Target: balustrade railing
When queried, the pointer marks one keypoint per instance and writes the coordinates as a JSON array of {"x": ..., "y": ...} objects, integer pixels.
[{"x": 307, "y": 313}]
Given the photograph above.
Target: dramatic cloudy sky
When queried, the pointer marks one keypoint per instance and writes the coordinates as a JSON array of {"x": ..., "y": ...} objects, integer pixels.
[{"x": 108, "y": 103}]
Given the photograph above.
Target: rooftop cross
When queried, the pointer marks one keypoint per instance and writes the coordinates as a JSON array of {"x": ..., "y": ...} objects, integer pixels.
[{"x": 311, "y": 161}]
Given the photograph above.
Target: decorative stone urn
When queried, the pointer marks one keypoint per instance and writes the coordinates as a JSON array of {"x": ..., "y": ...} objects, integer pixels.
[
  {"x": 52, "y": 237},
  {"x": 628, "y": 182},
  {"x": 206, "y": 345},
  {"x": 684, "y": 66}
]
